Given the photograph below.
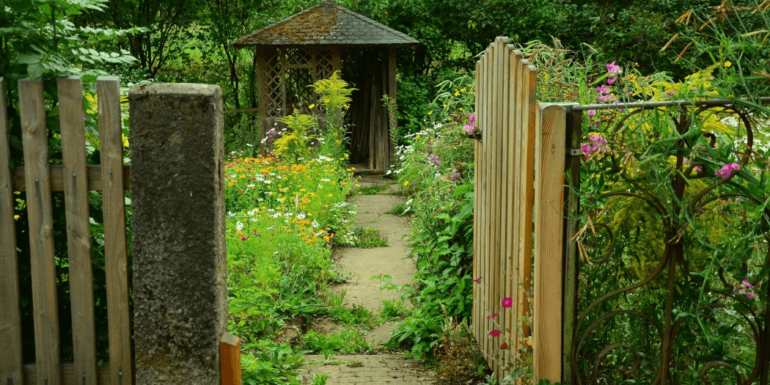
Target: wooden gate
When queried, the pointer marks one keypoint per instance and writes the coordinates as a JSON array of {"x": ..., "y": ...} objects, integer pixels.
[
  {"x": 519, "y": 190},
  {"x": 75, "y": 178}
]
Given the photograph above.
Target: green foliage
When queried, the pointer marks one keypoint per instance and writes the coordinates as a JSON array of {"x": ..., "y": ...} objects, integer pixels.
[
  {"x": 349, "y": 341},
  {"x": 371, "y": 190},
  {"x": 293, "y": 143}
]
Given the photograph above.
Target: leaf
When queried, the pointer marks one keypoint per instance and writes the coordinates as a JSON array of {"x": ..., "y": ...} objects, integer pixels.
[{"x": 35, "y": 71}]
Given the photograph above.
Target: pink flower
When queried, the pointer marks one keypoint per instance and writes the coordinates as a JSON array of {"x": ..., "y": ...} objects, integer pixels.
[
  {"x": 747, "y": 284},
  {"x": 477, "y": 279},
  {"x": 597, "y": 143},
  {"x": 727, "y": 170},
  {"x": 468, "y": 128},
  {"x": 243, "y": 238},
  {"x": 503, "y": 346},
  {"x": 494, "y": 333},
  {"x": 434, "y": 159},
  {"x": 603, "y": 90},
  {"x": 613, "y": 68},
  {"x": 612, "y": 80},
  {"x": 669, "y": 93},
  {"x": 605, "y": 98},
  {"x": 492, "y": 316},
  {"x": 271, "y": 133},
  {"x": 507, "y": 302},
  {"x": 454, "y": 176},
  {"x": 472, "y": 118},
  {"x": 591, "y": 112},
  {"x": 750, "y": 296}
]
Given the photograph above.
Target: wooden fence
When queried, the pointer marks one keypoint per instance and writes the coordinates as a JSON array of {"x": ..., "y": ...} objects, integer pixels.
[
  {"x": 520, "y": 163},
  {"x": 75, "y": 178}
]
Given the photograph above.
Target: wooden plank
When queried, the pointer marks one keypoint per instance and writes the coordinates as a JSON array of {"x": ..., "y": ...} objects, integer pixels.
[
  {"x": 336, "y": 60},
  {"x": 524, "y": 264},
  {"x": 73, "y": 140},
  {"x": 10, "y": 313},
  {"x": 43, "y": 265},
  {"x": 515, "y": 163},
  {"x": 506, "y": 200},
  {"x": 550, "y": 146},
  {"x": 262, "y": 98},
  {"x": 498, "y": 198},
  {"x": 56, "y": 173},
  {"x": 392, "y": 94},
  {"x": 115, "y": 258},
  {"x": 477, "y": 169},
  {"x": 68, "y": 375},
  {"x": 489, "y": 134},
  {"x": 230, "y": 352}
]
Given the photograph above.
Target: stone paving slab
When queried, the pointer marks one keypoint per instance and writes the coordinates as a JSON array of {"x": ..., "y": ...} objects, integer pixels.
[{"x": 373, "y": 369}]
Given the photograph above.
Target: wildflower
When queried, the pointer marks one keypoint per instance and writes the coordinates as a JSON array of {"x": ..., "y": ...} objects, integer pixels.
[
  {"x": 727, "y": 170},
  {"x": 747, "y": 284},
  {"x": 243, "y": 238},
  {"x": 728, "y": 64},
  {"x": 468, "y": 128},
  {"x": 477, "y": 279},
  {"x": 494, "y": 333},
  {"x": 311, "y": 106},
  {"x": 598, "y": 144},
  {"x": 492, "y": 316},
  {"x": 591, "y": 112},
  {"x": 457, "y": 93},
  {"x": 454, "y": 176},
  {"x": 603, "y": 90},
  {"x": 605, "y": 98},
  {"x": 472, "y": 118},
  {"x": 613, "y": 69},
  {"x": 750, "y": 296},
  {"x": 507, "y": 302},
  {"x": 406, "y": 183},
  {"x": 430, "y": 113},
  {"x": 503, "y": 346}
]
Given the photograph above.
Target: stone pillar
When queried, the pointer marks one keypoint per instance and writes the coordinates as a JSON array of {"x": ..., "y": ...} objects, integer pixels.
[{"x": 179, "y": 259}]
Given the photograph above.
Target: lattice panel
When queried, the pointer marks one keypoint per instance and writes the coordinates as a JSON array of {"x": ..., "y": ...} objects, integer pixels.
[
  {"x": 298, "y": 91},
  {"x": 273, "y": 89},
  {"x": 324, "y": 67},
  {"x": 298, "y": 57}
]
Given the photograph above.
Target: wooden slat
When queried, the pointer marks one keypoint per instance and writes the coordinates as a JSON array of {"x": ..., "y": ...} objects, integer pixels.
[
  {"x": 515, "y": 163},
  {"x": 43, "y": 266},
  {"x": 487, "y": 144},
  {"x": 550, "y": 147},
  {"x": 230, "y": 352},
  {"x": 68, "y": 375},
  {"x": 10, "y": 313},
  {"x": 56, "y": 173},
  {"x": 506, "y": 201},
  {"x": 73, "y": 140},
  {"x": 392, "y": 94},
  {"x": 527, "y": 175},
  {"x": 116, "y": 262},
  {"x": 477, "y": 169},
  {"x": 498, "y": 258}
]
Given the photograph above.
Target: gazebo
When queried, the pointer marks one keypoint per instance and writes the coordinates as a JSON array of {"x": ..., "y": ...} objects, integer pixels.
[{"x": 313, "y": 44}]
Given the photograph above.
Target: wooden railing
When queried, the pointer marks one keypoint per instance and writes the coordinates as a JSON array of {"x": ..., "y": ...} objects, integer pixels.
[
  {"x": 75, "y": 178},
  {"x": 519, "y": 163}
]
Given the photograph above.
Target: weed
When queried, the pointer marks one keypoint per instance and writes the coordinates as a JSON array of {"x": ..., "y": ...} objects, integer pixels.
[
  {"x": 348, "y": 341},
  {"x": 458, "y": 358},
  {"x": 354, "y": 364},
  {"x": 320, "y": 379},
  {"x": 394, "y": 309},
  {"x": 371, "y": 190},
  {"x": 401, "y": 210},
  {"x": 363, "y": 237}
]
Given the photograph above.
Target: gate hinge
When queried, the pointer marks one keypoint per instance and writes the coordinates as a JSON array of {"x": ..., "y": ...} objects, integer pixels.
[
  {"x": 574, "y": 152},
  {"x": 475, "y": 134}
]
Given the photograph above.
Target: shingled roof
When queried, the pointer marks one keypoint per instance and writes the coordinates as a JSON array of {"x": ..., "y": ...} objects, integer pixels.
[{"x": 325, "y": 24}]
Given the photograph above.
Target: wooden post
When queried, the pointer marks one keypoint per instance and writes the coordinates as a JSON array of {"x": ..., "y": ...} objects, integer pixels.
[
  {"x": 44, "y": 294},
  {"x": 230, "y": 350},
  {"x": 73, "y": 139},
  {"x": 549, "y": 198},
  {"x": 115, "y": 258},
  {"x": 392, "y": 94},
  {"x": 10, "y": 313},
  {"x": 571, "y": 259}
]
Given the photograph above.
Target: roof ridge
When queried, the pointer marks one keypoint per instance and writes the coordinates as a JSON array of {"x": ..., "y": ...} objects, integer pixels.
[{"x": 374, "y": 23}]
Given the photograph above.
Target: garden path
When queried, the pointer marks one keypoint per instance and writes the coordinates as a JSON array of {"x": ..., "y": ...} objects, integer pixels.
[{"x": 360, "y": 290}]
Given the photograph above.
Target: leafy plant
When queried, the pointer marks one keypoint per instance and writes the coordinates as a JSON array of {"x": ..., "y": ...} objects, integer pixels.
[{"x": 293, "y": 143}]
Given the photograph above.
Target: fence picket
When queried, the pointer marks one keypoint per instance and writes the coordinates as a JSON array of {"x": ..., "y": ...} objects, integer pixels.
[
  {"x": 505, "y": 192},
  {"x": 73, "y": 138},
  {"x": 550, "y": 147},
  {"x": 476, "y": 186},
  {"x": 488, "y": 176},
  {"x": 43, "y": 266},
  {"x": 116, "y": 261},
  {"x": 10, "y": 313}
]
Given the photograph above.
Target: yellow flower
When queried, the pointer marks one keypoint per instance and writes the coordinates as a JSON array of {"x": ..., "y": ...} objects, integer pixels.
[
  {"x": 311, "y": 106},
  {"x": 430, "y": 112},
  {"x": 347, "y": 155},
  {"x": 406, "y": 183},
  {"x": 457, "y": 93},
  {"x": 230, "y": 184},
  {"x": 462, "y": 90},
  {"x": 326, "y": 238},
  {"x": 358, "y": 185},
  {"x": 16, "y": 217},
  {"x": 728, "y": 64}
]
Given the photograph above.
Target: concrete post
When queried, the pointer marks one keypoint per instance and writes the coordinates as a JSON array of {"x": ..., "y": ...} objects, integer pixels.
[{"x": 179, "y": 259}]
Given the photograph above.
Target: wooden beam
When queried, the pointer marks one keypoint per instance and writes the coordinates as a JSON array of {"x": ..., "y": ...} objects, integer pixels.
[
  {"x": 73, "y": 140},
  {"x": 392, "y": 94},
  {"x": 57, "y": 178},
  {"x": 10, "y": 312},
  {"x": 68, "y": 375},
  {"x": 41, "y": 244},
  {"x": 115, "y": 252},
  {"x": 549, "y": 197},
  {"x": 230, "y": 352}
]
